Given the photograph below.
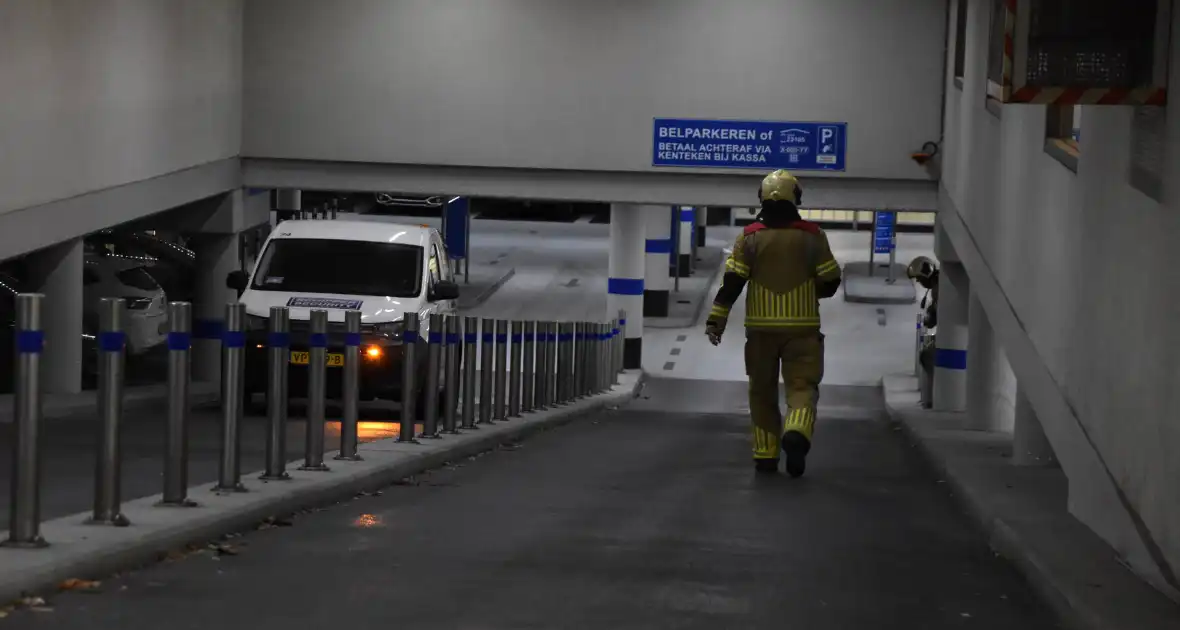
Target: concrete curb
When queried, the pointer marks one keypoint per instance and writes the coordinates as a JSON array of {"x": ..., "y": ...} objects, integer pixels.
[
  {"x": 488, "y": 292},
  {"x": 77, "y": 550},
  {"x": 1059, "y": 587}
]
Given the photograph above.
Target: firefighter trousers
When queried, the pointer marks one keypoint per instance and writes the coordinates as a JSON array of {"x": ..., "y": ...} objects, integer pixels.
[{"x": 799, "y": 354}]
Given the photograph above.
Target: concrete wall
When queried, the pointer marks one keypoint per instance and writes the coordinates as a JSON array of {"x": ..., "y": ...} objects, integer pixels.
[
  {"x": 571, "y": 84},
  {"x": 103, "y": 93},
  {"x": 1083, "y": 267}
]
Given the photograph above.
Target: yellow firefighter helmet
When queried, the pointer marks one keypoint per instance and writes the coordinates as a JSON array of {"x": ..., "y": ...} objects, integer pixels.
[
  {"x": 921, "y": 269},
  {"x": 781, "y": 185}
]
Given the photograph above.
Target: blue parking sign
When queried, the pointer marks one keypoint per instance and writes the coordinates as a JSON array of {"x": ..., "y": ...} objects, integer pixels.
[
  {"x": 884, "y": 232},
  {"x": 763, "y": 145}
]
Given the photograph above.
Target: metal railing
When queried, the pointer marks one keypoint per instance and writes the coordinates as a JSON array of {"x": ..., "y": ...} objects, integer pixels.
[{"x": 476, "y": 372}]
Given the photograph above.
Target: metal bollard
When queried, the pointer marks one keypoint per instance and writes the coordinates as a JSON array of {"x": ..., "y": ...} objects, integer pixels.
[
  {"x": 515, "y": 356},
  {"x": 349, "y": 437},
  {"x": 603, "y": 371},
  {"x": 233, "y": 342},
  {"x": 487, "y": 337},
  {"x": 24, "y": 513},
  {"x": 560, "y": 369},
  {"x": 565, "y": 358},
  {"x": 578, "y": 371},
  {"x": 470, "y": 354},
  {"x": 409, "y": 380},
  {"x": 614, "y": 343},
  {"x": 528, "y": 379},
  {"x": 607, "y": 347},
  {"x": 451, "y": 372},
  {"x": 317, "y": 384},
  {"x": 588, "y": 360},
  {"x": 112, "y": 342},
  {"x": 547, "y": 346},
  {"x": 501, "y": 400},
  {"x": 543, "y": 367},
  {"x": 180, "y": 322},
  {"x": 278, "y": 353},
  {"x": 587, "y": 357},
  {"x": 434, "y": 366},
  {"x": 551, "y": 360},
  {"x": 592, "y": 348},
  {"x": 621, "y": 344},
  {"x": 596, "y": 359},
  {"x": 434, "y": 341}
]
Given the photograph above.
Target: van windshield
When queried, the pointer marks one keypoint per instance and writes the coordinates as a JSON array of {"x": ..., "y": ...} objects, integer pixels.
[{"x": 307, "y": 265}]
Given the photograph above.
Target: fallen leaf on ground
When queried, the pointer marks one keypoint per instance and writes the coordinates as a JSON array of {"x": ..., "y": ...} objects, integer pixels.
[{"x": 75, "y": 584}]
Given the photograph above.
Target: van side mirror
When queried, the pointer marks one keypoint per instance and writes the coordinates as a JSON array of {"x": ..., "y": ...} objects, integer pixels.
[
  {"x": 237, "y": 280},
  {"x": 444, "y": 291}
]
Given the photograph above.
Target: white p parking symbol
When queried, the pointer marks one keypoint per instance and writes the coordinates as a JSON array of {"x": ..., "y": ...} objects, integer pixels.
[{"x": 825, "y": 135}]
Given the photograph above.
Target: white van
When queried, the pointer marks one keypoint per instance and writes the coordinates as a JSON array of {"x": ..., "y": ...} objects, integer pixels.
[{"x": 383, "y": 270}]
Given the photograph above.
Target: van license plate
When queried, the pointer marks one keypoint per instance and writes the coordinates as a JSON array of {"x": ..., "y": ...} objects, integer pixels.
[{"x": 302, "y": 358}]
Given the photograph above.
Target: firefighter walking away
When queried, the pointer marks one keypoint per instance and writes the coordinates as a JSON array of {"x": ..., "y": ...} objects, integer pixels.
[{"x": 785, "y": 265}]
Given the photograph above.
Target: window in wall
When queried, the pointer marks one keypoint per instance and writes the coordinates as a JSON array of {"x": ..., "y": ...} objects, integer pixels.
[
  {"x": 1063, "y": 132},
  {"x": 1147, "y": 150},
  {"x": 960, "y": 40},
  {"x": 995, "y": 55}
]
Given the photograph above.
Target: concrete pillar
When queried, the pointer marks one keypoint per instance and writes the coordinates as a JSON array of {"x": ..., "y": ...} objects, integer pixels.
[
  {"x": 981, "y": 412},
  {"x": 688, "y": 223},
  {"x": 702, "y": 220},
  {"x": 57, "y": 272},
  {"x": 1030, "y": 447},
  {"x": 285, "y": 203},
  {"x": 657, "y": 281},
  {"x": 950, "y": 356},
  {"x": 217, "y": 256},
  {"x": 625, "y": 282}
]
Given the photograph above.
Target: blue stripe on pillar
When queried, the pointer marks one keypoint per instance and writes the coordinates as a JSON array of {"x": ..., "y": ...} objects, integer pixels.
[
  {"x": 687, "y": 215},
  {"x": 659, "y": 245},
  {"x": 950, "y": 359},
  {"x": 625, "y": 286}
]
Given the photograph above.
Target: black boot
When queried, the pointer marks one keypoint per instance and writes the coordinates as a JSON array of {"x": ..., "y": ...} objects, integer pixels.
[
  {"x": 796, "y": 446},
  {"x": 766, "y": 464}
]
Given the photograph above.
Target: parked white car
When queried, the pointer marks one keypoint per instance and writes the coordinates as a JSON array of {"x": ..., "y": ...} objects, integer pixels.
[{"x": 146, "y": 325}]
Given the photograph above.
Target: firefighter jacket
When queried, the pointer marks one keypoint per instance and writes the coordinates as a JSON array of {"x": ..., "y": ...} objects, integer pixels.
[{"x": 788, "y": 270}]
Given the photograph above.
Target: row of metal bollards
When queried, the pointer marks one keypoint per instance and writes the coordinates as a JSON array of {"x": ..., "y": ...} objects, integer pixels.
[
  {"x": 523, "y": 367},
  {"x": 493, "y": 370}
]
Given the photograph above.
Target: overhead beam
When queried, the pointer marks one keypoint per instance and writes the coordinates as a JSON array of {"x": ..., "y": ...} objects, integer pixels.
[{"x": 651, "y": 187}]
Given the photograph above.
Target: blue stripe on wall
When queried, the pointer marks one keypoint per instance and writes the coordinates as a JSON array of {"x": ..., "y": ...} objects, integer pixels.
[
  {"x": 659, "y": 245},
  {"x": 950, "y": 359},
  {"x": 625, "y": 286}
]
